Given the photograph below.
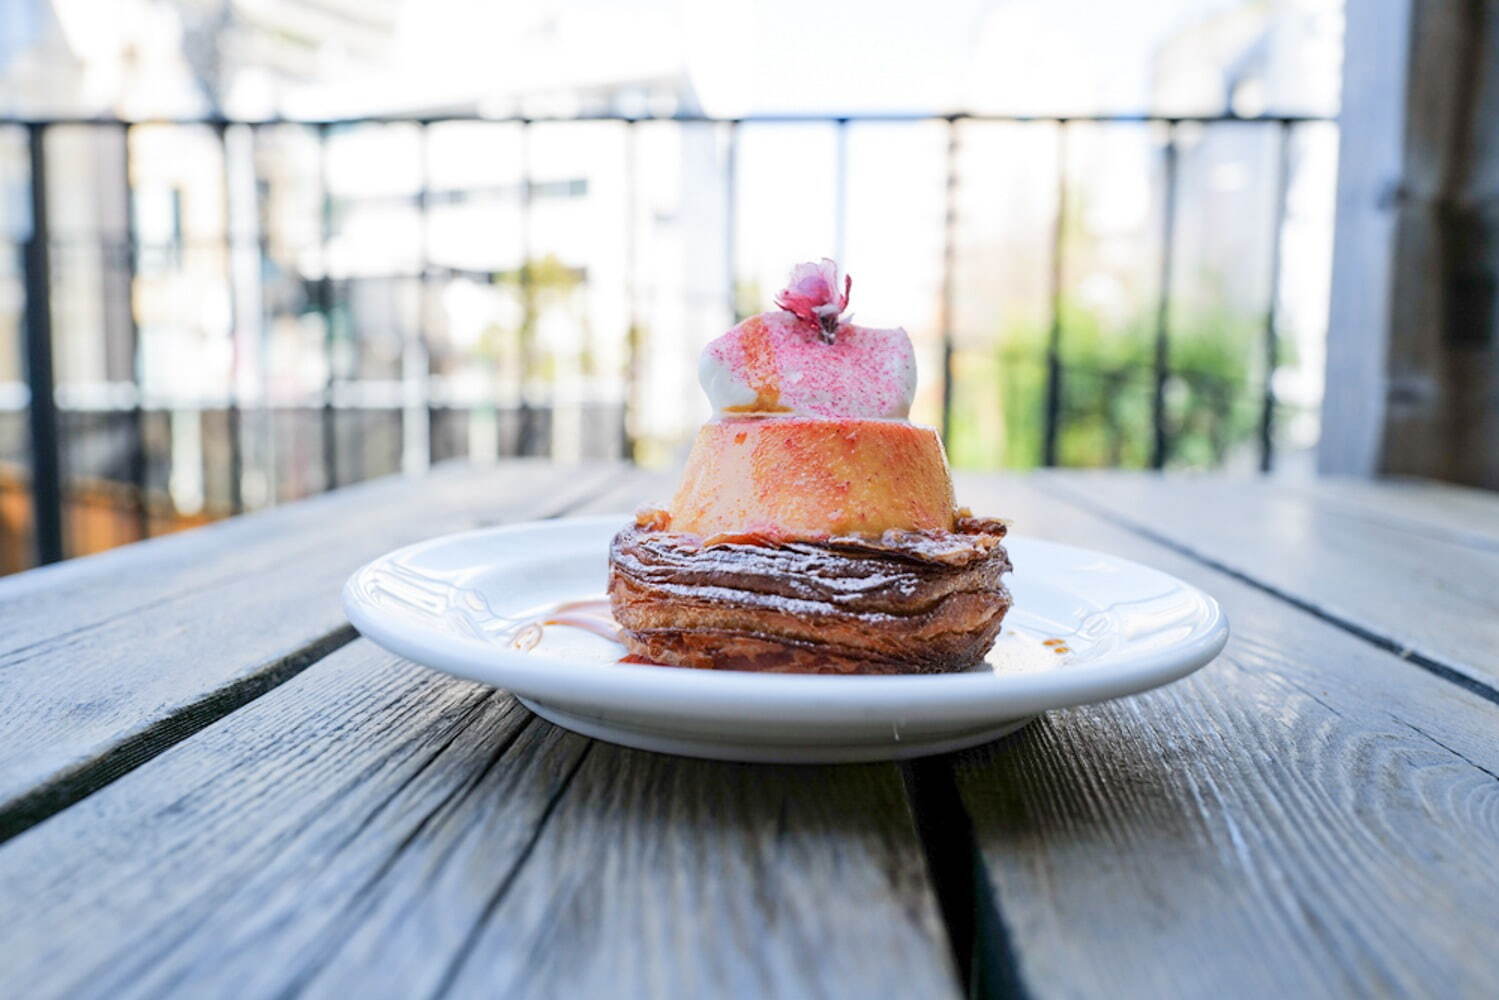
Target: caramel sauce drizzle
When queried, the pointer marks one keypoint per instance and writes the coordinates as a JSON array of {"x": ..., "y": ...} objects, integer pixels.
[{"x": 590, "y": 615}]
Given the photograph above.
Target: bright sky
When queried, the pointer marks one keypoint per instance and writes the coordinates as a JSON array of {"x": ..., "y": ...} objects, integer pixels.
[
  {"x": 790, "y": 55},
  {"x": 741, "y": 56}
]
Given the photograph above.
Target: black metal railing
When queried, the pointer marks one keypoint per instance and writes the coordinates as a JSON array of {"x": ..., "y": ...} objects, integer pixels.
[{"x": 46, "y": 417}]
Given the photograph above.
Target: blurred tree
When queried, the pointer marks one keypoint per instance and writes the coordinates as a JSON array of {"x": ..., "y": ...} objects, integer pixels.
[
  {"x": 1107, "y": 379},
  {"x": 539, "y": 284}
]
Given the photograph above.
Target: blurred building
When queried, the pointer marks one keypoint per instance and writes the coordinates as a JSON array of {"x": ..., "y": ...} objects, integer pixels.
[{"x": 244, "y": 314}]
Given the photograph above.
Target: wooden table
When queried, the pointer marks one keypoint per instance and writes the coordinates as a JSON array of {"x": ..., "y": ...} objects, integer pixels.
[{"x": 209, "y": 786}]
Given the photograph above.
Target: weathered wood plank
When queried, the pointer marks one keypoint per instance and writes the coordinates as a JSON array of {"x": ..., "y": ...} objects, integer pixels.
[
  {"x": 107, "y": 660},
  {"x": 724, "y": 879},
  {"x": 1457, "y": 513},
  {"x": 1306, "y": 816},
  {"x": 1416, "y": 589},
  {"x": 183, "y": 875},
  {"x": 370, "y": 826}
]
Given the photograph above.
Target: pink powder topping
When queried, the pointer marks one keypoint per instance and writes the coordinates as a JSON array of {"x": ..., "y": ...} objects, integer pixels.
[{"x": 807, "y": 362}]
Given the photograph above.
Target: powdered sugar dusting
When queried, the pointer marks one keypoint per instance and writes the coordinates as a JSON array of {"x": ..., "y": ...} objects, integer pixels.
[{"x": 1018, "y": 651}]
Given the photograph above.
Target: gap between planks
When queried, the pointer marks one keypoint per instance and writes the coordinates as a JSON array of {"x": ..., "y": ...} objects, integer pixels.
[
  {"x": 65, "y": 789},
  {"x": 982, "y": 947},
  {"x": 56, "y": 795},
  {"x": 492, "y": 904},
  {"x": 1431, "y": 665},
  {"x": 972, "y": 914},
  {"x": 977, "y": 938},
  {"x": 622, "y": 495}
]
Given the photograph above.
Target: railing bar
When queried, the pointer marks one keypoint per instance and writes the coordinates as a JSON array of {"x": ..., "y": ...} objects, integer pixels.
[
  {"x": 731, "y": 220},
  {"x": 356, "y": 458},
  {"x": 1054, "y": 335},
  {"x": 633, "y": 352},
  {"x": 1272, "y": 333},
  {"x": 138, "y": 460},
  {"x": 416, "y": 361},
  {"x": 949, "y": 252},
  {"x": 324, "y": 291},
  {"x": 1122, "y": 118},
  {"x": 1162, "y": 358},
  {"x": 840, "y": 191},
  {"x": 269, "y": 456},
  {"x": 46, "y": 467},
  {"x": 232, "y": 411},
  {"x": 249, "y": 275},
  {"x": 526, "y": 432}
]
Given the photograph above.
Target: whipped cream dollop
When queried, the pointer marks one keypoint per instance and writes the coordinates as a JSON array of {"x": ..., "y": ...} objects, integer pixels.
[{"x": 806, "y": 361}]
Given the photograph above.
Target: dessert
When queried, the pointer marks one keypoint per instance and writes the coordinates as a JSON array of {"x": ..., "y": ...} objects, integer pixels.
[{"x": 814, "y": 529}]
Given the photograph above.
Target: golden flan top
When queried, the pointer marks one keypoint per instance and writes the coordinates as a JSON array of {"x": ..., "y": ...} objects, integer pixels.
[
  {"x": 810, "y": 440},
  {"x": 788, "y": 477}
]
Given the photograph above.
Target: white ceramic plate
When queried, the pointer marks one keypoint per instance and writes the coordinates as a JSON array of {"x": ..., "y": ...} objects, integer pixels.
[{"x": 455, "y": 603}]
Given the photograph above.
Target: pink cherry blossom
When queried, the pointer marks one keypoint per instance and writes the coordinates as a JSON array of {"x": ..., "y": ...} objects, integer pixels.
[{"x": 812, "y": 296}]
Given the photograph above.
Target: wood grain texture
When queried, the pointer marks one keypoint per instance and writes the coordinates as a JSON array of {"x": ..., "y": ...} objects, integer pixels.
[
  {"x": 106, "y": 660},
  {"x": 1419, "y": 590},
  {"x": 1460, "y": 514},
  {"x": 227, "y": 864},
  {"x": 373, "y": 828},
  {"x": 1306, "y": 816},
  {"x": 725, "y": 879}
]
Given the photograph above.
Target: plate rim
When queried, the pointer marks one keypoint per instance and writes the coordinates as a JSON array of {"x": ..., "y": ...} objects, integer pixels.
[{"x": 793, "y": 698}]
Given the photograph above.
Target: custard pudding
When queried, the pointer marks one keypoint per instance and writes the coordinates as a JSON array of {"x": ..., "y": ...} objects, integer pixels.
[{"x": 815, "y": 528}]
